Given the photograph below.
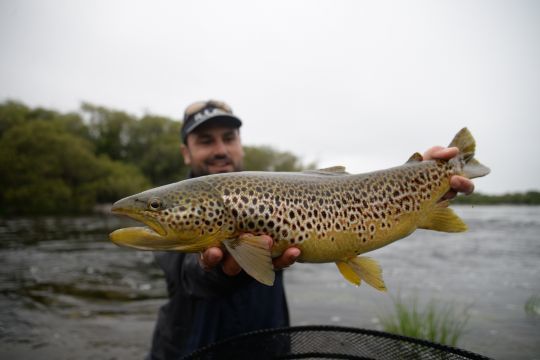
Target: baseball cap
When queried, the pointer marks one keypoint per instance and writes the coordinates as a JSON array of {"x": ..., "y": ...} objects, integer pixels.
[{"x": 201, "y": 112}]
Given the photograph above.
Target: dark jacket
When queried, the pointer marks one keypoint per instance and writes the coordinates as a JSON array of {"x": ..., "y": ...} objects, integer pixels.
[{"x": 207, "y": 306}]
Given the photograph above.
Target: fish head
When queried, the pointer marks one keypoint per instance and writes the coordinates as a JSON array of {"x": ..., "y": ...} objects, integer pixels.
[{"x": 187, "y": 216}]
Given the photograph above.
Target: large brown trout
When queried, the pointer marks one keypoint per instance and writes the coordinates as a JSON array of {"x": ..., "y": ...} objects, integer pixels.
[{"x": 331, "y": 216}]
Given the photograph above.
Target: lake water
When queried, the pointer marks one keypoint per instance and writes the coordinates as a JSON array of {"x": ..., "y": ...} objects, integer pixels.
[{"x": 67, "y": 292}]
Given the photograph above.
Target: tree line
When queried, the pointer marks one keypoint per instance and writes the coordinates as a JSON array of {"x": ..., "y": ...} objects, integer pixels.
[
  {"x": 61, "y": 163},
  {"x": 526, "y": 198}
]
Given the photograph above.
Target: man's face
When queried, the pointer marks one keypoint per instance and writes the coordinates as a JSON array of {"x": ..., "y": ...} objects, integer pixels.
[{"x": 212, "y": 149}]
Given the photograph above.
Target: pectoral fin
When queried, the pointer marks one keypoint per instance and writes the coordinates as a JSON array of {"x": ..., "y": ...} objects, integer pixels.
[
  {"x": 253, "y": 255},
  {"x": 362, "y": 268},
  {"x": 444, "y": 219}
]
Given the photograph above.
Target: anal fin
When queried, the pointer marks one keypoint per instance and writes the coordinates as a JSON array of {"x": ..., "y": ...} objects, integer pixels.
[
  {"x": 362, "y": 268},
  {"x": 253, "y": 255}
]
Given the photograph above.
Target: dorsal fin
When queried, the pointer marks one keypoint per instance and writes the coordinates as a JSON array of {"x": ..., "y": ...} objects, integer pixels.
[
  {"x": 416, "y": 157},
  {"x": 333, "y": 170}
]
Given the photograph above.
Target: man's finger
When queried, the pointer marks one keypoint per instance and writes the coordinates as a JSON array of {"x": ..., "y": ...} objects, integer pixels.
[
  {"x": 210, "y": 258},
  {"x": 461, "y": 184},
  {"x": 230, "y": 266},
  {"x": 439, "y": 152},
  {"x": 288, "y": 258}
]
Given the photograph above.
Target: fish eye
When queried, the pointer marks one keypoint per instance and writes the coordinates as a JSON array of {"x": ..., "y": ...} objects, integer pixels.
[{"x": 154, "y": 204}]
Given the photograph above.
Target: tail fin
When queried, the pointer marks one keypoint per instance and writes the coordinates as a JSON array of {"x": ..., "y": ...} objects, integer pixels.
[{"x": 466, "y": 144}]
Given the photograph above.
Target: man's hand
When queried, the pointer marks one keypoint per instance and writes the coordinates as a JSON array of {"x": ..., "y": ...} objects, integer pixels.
[
  {"x": 458, "y": 184},
  {"x": 213, "y": 256}
]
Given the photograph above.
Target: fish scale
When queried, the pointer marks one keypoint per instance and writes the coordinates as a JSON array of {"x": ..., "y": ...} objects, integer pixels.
[{"x": 330, "y": 215}]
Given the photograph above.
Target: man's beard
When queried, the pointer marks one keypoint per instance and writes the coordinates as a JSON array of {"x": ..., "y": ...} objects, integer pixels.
[{"x": 204, "y": 170}]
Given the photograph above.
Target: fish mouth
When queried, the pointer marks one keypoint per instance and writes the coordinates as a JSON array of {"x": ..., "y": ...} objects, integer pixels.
[
  {"x": 150, "y": 237},
  {"x": 153, "y": 224},
  {"x": 142, "y": 238},
  {"x": 154, "y": 236}
]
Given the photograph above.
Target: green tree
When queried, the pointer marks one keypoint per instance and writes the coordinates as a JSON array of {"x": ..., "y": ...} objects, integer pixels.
[
  {"x": 54, "y": 162},
  {"x": 48, "y": 170},
  {"x": 116, "y": 180},
  {"x": 154, "y": 146},
  {"x": 109, "y": 130},
  {"x": 151, "y": 143},
  {"x": 265, "y": 158},
  {"x": 12, "y": 113}
]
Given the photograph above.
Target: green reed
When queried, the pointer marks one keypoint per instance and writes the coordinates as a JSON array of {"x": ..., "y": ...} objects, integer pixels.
[
  {"x": 532, "y": 306},
  {"x": 436, "y": 321}
]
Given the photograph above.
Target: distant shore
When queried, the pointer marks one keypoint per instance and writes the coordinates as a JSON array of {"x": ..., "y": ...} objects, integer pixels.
[{"x": 524, "y": 198}]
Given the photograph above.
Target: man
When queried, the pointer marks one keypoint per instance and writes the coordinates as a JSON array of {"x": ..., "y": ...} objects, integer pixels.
[
  {"x": 207, "y": 303},
  {"x": 210, "y": 297}
]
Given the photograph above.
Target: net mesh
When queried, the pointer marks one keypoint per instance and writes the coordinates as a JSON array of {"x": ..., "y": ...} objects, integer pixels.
[{"x": 327, "y": 342}]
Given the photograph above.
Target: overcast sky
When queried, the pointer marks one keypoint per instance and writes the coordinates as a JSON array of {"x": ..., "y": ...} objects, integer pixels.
[{"x": 354, "y": 83}]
